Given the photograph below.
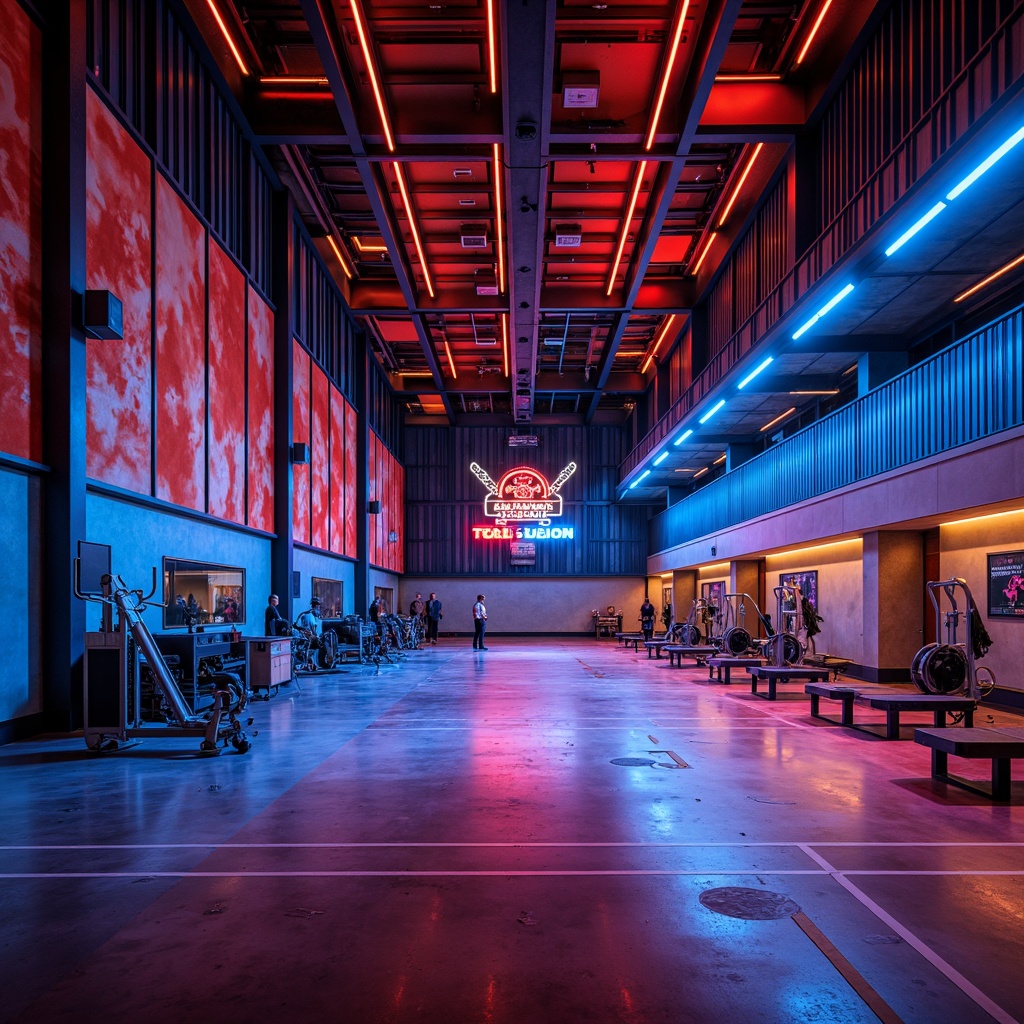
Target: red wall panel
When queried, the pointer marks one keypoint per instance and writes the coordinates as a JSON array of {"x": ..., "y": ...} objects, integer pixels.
[
  {"x": 350, "y": 481},
  {"x": 180, "y": 351},
  {"x": 227, "y": 387},
  {"x": 20, "y": 235},
  {"x": 320, "y": 464},
  {"x": 260, "y": 481},
  {"x": 300, "y": 434},
  {"x": 337, "y": 472},
  {"x": 373, "y": 465}
]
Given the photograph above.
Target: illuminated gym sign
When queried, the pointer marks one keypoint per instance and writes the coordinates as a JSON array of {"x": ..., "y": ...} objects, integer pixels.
[{"x": 522, "y": 496}]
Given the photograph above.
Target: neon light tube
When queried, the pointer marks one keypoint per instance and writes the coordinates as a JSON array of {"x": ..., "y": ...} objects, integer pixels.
[
  {"x": 625, "y": 225},
  {"x": 814, "y": 31},
  {"x": 341, "y": 259},
  {"x": 753, "y": 373},
  {"x": 491, "y": 58},
  {"x": 661, "y": 458},
  {"x": 451, "y": 362},
  {"x": 498, "y": 242},
  {"x": 657, "y": 344},
  {"x": 227, "y": 37},
  {"x": 504, "y": 341},
  {"x": 364, "y": 44},
  {"x": 719, "y": 460},
  {"x": 412, "y": 226},
  {"x": 986, "y": 164},
  {"x": 711, "y": 412},
  {"x": 991, "y": 277},
  {"x": 697, "y": 265},
  {"x": 739, "y": 184},
  {"x": 700, "y": 472},
  {"x": 645, "y": 473},
  {"x": 683, "y": 436},
  {"x": 914, "y": 228},
  {"x": 778, "y": 419},
  {"x": 653, "y": 130},
  {"x": 824, "y": 309}
]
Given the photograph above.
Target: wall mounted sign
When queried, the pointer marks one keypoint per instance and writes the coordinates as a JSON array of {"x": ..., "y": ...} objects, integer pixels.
[
  {"x": 522, "y": 494},
  {"x": 1006, "y": 585}
]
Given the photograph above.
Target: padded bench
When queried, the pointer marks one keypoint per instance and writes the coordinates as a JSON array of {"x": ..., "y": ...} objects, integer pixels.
[
  {"x": 1001, "y": 744},
  {"x": 716, "y": 665},
  {"x": 676, "y": 653},
  {"x": 630, "y": 638},
  {"x": 773, "y": 675},
  {"x": 829, "y": 661},
  {"x": 892, "y": 702}
]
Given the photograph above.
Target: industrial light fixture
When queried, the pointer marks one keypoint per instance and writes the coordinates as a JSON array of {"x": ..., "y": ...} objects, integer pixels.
[
  {"x": 625, "y": 225},
  {"x": 834, "y": 301},
  {"x": 778, "y": 419},
  {"x": 832, "y": 391},
  {"x": 645, "y": 473},
  {"x": 700, "y": 260},
  {"x": 412, "y": 227},
  {"x": 504, "y": 341},
  {"x": 754, "y": 76},
  {"x": 413, "y": 373},
  {"x": 814, "y": 31},
  {"x": 492, "y": 59},
  {"x": 498, "y": 235},
  {"x": 661, "y": 458},
  {"x": 666, "y": 75},
  {"x": 915, "y": 227},
  {"x": 719, "y": 460},
  {"x": 682, "y": 437},
  {"x": 711, "y": 412},
  {"x": 341, "y": 259},
  {"x": 991, "y": 277},
  {"x": 978, "y": 171},
  {"x": 227, "y": 37},
  {"x": 371, "y": 69},
  {"x": 739, "y": 184},
  {"x": 362, "y": 246},
  {"x": 293, "y": 80},
  {"x": 753, "y": 373},
  {"x": 657, "y": 343},
  {"x": 448, "y": 353},
  {"x": 700, "y": 472}
]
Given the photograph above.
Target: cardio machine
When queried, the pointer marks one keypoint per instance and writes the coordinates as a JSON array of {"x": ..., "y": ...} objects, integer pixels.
[
  {"x": 116, "y": 657},
  {"x": 784, "y": 647},
  {"x": 735, "y": 639}
]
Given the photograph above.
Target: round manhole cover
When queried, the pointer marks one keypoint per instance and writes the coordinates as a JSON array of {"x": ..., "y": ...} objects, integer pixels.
[
  {"x": 749, "y": 904},
  {"x": 633, "y": 762}
]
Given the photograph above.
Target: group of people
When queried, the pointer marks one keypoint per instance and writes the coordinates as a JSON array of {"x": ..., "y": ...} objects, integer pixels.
[{"x": 428, "y": 612}]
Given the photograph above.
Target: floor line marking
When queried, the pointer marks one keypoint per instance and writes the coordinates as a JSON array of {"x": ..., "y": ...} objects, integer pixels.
[
  {"x": 944, "y": 967},
  {"x": 512, "y": 873}
]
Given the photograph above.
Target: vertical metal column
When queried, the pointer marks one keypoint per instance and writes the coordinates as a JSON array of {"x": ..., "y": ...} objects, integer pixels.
[
  {"x": 362, "y": 394},
  {"x": 283, "y": 271},
  {"x": 64, "y": 364}
]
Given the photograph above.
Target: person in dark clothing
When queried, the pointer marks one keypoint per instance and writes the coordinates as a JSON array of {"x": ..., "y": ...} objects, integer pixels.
[
  {"x": 416, "y": 608},
  {"x": 479, "y": 623},
  {"x": 647, "y": 613},
  {"x": 274, "y": 623},
  {"x": 375, "y": 612},
  {"x": 434, "y": 616}
]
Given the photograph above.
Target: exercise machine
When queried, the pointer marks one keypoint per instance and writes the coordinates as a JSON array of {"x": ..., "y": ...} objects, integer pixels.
[
  {"x": 783, "y": 647},
  {"x": 119, "y": 655},
  {"x": 699, "y": 623},
  {"x": 736, "y": 640},
  {"x": 950, "y": 667}
]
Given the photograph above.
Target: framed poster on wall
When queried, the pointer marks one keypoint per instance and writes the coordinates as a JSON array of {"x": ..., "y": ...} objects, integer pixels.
[
  {"x": 1006, "y": 585},
  {"x": 714, "y": 593},
  {"x": 329, "y": 592},
  {"x": 806, "y": 581}
]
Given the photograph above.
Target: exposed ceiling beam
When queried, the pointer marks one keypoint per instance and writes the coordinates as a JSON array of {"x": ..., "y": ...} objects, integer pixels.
[{"x": 812, "y": 342}]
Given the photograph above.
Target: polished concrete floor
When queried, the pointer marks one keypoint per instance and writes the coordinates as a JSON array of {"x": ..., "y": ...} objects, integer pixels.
[{"x": 452, "y": 841}]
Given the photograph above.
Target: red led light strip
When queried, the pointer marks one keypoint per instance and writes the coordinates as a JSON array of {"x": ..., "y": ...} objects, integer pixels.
[
  {"x": 739, "y": 184},
  {"x": 491, "y": 57},
  {"x": 707, "y": 247},
  {"x": 504, "y": 341},
  {"x": 499, "y": 242},
  {"x": 412, "y": 227},
  {"x": 364, "y": 44},
  {"x": 625, "y": 225},
  {"x": 451, "y": 362},
  {"x": 227, "y": 37},
  {"x": 657, "y": 344},
  {"x": 814, "y": 31},
  {"x": 341, "y": 259},
  {"x": 676, "y": 37}
]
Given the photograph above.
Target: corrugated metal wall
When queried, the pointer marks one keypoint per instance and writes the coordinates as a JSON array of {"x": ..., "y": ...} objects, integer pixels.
[
  {"x": 969, "y": 391},
  {"x": 444, "y": 500}
]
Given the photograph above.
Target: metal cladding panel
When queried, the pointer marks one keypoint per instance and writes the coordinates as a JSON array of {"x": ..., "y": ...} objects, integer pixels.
[{"x": 445, "y": 500}]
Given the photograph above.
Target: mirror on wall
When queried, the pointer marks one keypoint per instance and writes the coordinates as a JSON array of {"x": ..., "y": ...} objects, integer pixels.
[
  {"x": 202, "y": 593},
  {"x": 329, "y": 592}
]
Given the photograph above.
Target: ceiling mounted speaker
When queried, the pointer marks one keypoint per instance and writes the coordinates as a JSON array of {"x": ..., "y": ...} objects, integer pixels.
[
  {"x": 473, "y": 236},
  {"x": 568, "y": 236},
  {"x": 581, "y": 89}
]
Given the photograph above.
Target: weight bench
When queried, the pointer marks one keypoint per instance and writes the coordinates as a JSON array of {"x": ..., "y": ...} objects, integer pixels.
[
  {"x": 845, "y": 692},
  {"x": 774, "y": 674},
  {"x": 1001, "y": 744},
  {"x": 938, "y": 704},
  {"x": 676, "y": 653},
  {"x": 630, "y": 638},
  {"x": 829, "y": 661},
  {"x": 716, "y": 665},
  {"x": 656, "y": 646}
]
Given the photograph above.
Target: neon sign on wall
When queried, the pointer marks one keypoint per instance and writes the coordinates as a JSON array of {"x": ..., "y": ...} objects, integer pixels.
[{"x": 522, "y": 495}]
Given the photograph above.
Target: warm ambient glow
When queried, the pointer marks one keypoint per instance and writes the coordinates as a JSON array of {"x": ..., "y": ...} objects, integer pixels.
[
  {"x": 498, "y": 233},
  {"x": 752, "y": 77},
  {"x": 415, "y": 232},
  {"x": 625, "y": 225},
  {"x": 293, "y": 80},
  {"x": 663, "y": 88},
  {"x": 365, "y": 247},
  {"x": 371, "y": 68},
  {"x": 504, "y": 341},
  {"x": 451, "y": 362},
  {"x": 707, "y": 249},
  {"x": 814, "y": 31},
  {"x": 341, "y": 259},
  {"x": 413, "y": 373},
  {"x": 719, "y": 460},
  {"x": 991, "y": 277},
  {"x": 833, "y": 392},
  {"x": 990, "y": 515},
  {"x": 491, "y": 57},
  {"x": 657, "y": 344},
  {"x": 700, "y": 472},
  {"x": 227, "y": 37},
  {"x": 739, "y": 184},
  {"x": 835, "y": 546},
  {"x": 778, "y": 419}
]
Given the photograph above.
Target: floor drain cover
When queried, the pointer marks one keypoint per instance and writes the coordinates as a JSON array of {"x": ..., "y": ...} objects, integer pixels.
[
  {"x": 633, "y": 762},
  {"x": 749, "y": 904}
]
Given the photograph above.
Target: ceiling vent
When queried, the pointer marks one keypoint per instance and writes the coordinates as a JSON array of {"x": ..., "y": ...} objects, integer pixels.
[
  {"x": 485, "y": 283},
  {"x": 581, "y": 89},
  {"x": 473, "y": 236},
  {"x": 568, "y": 236}
]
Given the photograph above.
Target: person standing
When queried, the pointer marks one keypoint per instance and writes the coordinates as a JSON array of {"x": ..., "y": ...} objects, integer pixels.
[
  {"x": 416, "y": 608},
  {"x": 479, "y": 623},
  {"x": 274, "y": 623},
  {"x": 434, "y": 616},
  {"x": 647, "y": 613}
]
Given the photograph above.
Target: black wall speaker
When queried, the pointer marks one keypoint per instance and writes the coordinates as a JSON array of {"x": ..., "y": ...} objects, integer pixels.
[
  {"x": 103, "y": 316},
  {"x": 373, "y": 507},
  {"x": 300, "y": 453}
]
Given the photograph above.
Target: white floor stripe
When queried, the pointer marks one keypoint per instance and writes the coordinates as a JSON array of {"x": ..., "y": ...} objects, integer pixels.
[
  {"x": 948, "y": 970},
  {"x": 569, "y": 844}
]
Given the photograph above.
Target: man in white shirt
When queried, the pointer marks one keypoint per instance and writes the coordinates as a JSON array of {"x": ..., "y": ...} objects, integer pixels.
[{"x": 479, "y": 623}]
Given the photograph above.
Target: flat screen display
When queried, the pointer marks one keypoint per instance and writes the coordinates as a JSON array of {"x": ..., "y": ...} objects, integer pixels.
[{"x": 1006, "y": 585}]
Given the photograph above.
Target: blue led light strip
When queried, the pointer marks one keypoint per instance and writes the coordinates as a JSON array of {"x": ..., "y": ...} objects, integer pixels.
[
  {"x": 914, "y": 228},
  {"x": 753, "y": 373},
  {"x": 711, "y": 412},
  {"x": 646, "y": 472},
  {"x": 834, "y": 301}
]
